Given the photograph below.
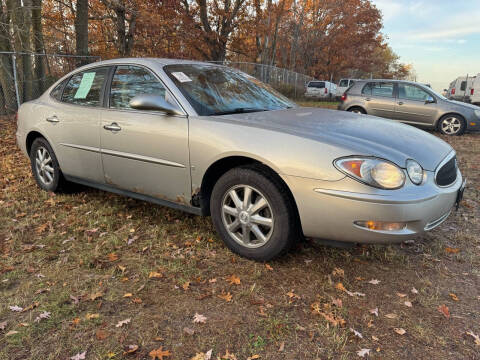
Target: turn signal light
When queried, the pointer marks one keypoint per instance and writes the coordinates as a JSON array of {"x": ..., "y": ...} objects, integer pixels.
[
  {"x": 344, "y": 97},
  {"x": 381, "y": 225}
]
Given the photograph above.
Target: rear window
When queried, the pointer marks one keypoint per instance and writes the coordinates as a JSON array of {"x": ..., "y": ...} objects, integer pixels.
[
  {"x": 316, "y": 84},
  {"x": 343, "y": 83},
  {"x": 384, "y": 89},
  {"x": 463, "y": 85}
]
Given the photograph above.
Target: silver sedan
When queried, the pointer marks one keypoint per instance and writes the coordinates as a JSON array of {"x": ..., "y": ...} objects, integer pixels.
[{"x": 211, "y": 140}]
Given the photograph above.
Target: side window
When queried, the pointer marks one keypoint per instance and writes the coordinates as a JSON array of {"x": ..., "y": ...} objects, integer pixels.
[
  {"x": 411, "y": 92},
  {"x": 130, "y": 81},
  {"x": 343, "y": 83},
  {"x": 57, "y": 91},
  {"x": 463, "y": 85},
  {"x": 85, "y": 88},
  {"x": 384, "y": 89}
]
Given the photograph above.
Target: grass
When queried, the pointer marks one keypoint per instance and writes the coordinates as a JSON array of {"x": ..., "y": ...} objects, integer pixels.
[{"x": 82, "y": 254}]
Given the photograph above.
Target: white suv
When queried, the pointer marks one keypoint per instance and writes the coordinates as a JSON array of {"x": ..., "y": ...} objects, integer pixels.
[
  {"x": 343, "y": 85},
  {"x": 321, "y": 89}
]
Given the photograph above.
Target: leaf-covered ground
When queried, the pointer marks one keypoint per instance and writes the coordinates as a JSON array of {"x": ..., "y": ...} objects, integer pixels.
[{"x": 94, "y": 275}]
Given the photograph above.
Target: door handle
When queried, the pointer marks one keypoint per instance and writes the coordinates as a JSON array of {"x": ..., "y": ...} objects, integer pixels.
[
  {"x": 400, "y": 103},
  {"x": 53, "y": 119},
  {"x": 112, "y": 127}
]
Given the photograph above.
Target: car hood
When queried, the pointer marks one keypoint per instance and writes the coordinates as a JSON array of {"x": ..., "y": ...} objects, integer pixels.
[
  {"x": 354, "y": 133},
  {"x": 463, "y": 105}
]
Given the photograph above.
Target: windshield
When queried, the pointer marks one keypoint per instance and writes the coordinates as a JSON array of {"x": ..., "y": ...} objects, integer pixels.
[
  {"x": 215, "y": 90},
  {"x": 434, "y": 92}
]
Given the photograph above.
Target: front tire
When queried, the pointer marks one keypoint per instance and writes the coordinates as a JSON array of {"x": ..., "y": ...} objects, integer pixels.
[
  {"x": 451, "y": 125},
  {"x": 356, "y": 110},
  {"x": 253, "y": 213},
  {"x": 45, "y": 166}
]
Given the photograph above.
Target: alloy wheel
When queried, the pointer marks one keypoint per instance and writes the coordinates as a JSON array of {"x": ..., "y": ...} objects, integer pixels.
[
  {"x": 44, "y": 166},
  {"x": 451, "y": 125},
  {"x": 247, "y": 216}
]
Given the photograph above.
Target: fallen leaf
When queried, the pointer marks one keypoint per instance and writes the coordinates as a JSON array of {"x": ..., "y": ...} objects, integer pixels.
[
  {"x": 444, "y": 310},
  {"x": 281, "y": 347},
  {"x": 123, "y": 322},
  {"x": 227, "y": 297},
  {"x": 211, "y": 281},
  {"x": 402, "y": 295},
  {"x": 363, "y": 352},
  {"x": 292, "y": 295},
  {"x": 375, "y": 338},
  {"x": 374, "y": 311},
  {"x": 127, "y": 295},
  {"x": 334, "y": 320},
  {"x": 43, "y": 315},
  {"x": 76, "y": 321},
  {"x": 92, "y": 316},
  {"x": 356, "y": 333},
  {"x": 188, "y": 331},
  {"x": 338, "y": 272},
  {"x": 253, "y": 357},
  {"x": 414, "y": 291},
  {"x": 228, "y": 356},
  {"x": 12, "y": 332},
  {"x": 399, "y": 331},
  {"x": 391, "y": 316},
  {"x": 159, "y": 353},
  {"x": 337, "y": 302},
  {"x": 15, "y": 308},
  {"x": 74, "y": 299},
  {"x": 130, "y": 349},
  {"x": 112, "y": 257},
  {"x": 186, "y": 285},
  {"x": 454, "y": 297},
  {"x": 137, "y": 301},
  {"x": 79, "y": 356},
  {"x": 198, "y": 318},
  {"x": 339, "y": 286},
  {"x": 408, "y": 303},
  {"x": 233, "y": 280},
  {"x": 101, "y": 334},
  {"x": 450, "y": 250},
  {"x": 31, "y": 306},
  {"x": 475, "y": 337},
  {"x": 374, "y": 282},
  {"x": 3, "y": 325},
  {"x": 155, "y": 275},
  {"x": 269, "y": 267},
  {"x": 95, "y": 296}
]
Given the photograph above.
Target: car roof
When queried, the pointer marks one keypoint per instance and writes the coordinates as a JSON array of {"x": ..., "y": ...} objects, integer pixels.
[
  {"x": 391, "y": 80},
  {"x": 149, "y": 60}
]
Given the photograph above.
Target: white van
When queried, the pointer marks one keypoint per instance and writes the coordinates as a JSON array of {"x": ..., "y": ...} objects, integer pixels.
[
  {"x": 460, "y": 88},
  {"x": 321, "y": 89},
  {"x": 475, "y": 91},
  {"x": 343, "y": 85}
]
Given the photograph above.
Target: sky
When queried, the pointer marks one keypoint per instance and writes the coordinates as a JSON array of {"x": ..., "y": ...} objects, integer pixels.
[{"x": 440, "y": 38}]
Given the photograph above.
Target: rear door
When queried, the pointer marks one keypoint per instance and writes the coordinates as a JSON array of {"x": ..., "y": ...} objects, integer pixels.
[
  {"x": 379, "y": 98},
  {"x": 145, "y": 152},
  {"x": 413, "y": 106},
  {"x": 74, "y": 122}
]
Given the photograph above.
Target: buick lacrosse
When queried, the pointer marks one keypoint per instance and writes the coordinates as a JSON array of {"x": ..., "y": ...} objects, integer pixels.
[{"x": 212, "y": 140}]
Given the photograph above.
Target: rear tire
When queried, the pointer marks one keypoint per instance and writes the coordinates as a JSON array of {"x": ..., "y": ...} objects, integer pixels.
[
  {"x": 357, "y": 110},
  {"x": 253, "y": 213},
  {"x": 452, "y": 124},
  {"x": 45, "y": 167}
]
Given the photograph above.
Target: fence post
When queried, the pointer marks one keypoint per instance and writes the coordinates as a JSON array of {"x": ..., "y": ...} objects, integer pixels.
[{"x": 14, "y": 65}]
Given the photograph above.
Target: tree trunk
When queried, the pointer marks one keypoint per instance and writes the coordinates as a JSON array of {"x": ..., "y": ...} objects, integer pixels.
[
  {"x": 26, "y": 46},
  {"x": 81, "y": 31},
  {"x": 38, "y": 46}
]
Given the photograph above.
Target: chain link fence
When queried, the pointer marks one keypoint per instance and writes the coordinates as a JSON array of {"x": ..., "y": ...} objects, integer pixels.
[
  {"x": 25, "y": 76},
  {"x": 289, "y": 83}
]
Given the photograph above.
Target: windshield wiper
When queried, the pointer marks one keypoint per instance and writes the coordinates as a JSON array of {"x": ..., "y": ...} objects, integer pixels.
[{"x": 239, "y": 111}]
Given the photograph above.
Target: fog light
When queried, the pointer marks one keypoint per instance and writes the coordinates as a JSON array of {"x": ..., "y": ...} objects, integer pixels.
[{"x": 381, "y": 225}]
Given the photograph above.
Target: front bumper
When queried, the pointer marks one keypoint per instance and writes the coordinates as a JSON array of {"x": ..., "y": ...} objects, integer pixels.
[{"x": 328, "y": 209}]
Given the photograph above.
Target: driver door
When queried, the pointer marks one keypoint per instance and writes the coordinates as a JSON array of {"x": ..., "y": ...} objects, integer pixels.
[
  {"x": 145, "y": 152},
  {"x": 412, "y": 105}
]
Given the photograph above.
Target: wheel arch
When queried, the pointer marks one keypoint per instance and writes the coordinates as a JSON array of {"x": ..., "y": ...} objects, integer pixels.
[
  {"x": 357, "y": 106},
  {"x": 32, "y": 135},
  {"x": 437, "y": 123},
  {"x": 222, "y": 165}
]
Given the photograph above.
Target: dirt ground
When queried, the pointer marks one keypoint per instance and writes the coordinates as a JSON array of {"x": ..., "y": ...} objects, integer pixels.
[{"x": 99, "y": 276}]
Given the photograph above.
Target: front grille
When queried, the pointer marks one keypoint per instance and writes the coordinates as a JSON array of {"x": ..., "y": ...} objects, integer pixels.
[{"x": 447, "y": 173}]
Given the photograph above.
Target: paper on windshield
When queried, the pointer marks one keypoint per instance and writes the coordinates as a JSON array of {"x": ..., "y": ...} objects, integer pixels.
[
  {"x": 180, "y": 76},
  {"x": 85, "y": 85}
]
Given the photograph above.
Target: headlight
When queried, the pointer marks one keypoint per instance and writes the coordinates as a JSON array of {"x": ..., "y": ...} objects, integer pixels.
[
  {"x": 375, "y": 172},
  {"x": 477, "y": 113},
  {"x": 414, "y": 171}
]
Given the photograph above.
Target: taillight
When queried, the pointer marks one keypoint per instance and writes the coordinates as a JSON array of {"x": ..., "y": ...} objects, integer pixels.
[
  {"x": 472, "y": 90},
  {"x": 326, "y": 91},
  {"x": 453, "y": 91},
  {"x": 344, "y": 97}
]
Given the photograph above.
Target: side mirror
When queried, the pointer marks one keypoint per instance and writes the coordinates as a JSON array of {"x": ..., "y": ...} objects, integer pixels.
[
  {"x": 154, "y": 102},
  {"x": 430, "y": 100}
]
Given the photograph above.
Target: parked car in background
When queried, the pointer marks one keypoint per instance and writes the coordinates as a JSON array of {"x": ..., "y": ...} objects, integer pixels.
[
  {"x": 475, "y": 91},
  {"x": 211, "y": 140},
  {"x": 460, "y": 88},
  {"x": 320, "y": 89},
  {"x": 411, "y": 103},
  {"x": 343, "y": 85}
]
